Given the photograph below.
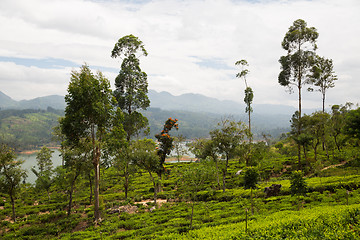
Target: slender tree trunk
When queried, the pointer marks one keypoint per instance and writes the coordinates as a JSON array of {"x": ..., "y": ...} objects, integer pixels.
[
  {"x": 305, "y": 156},
  {"x": 91, "y": 188},
  {"x": 327, "y": 152},
  {"x": 299, "y": 156},
  {"x": 13, "y": 206},
  {"x": 217, "y": 173},
  {"x": 336, "y": 143},
  {"x": 252, "y": 201},
  {"x": 96, "y": 164},
  {"x": 71, "y": 193},
  {"x": 126, "y": 183},
  {"x": 158, "y": 186},
  {"x": 299, "y": 125},
  {"x": 248, "y": 159},
  {"x": 70, "y": 197},
  {"x": 96, "y": 192},
  {"x": 155, "y": 187},
  {"x": 192, "y": 214},
  {"x": 224, "y": 173}
]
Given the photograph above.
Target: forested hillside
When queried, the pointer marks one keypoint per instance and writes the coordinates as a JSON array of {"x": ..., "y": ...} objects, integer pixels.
[{"x": 28, "y": 129}]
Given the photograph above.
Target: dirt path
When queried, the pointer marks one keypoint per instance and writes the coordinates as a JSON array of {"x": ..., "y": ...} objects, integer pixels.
[{"x": 333, "y": 166}]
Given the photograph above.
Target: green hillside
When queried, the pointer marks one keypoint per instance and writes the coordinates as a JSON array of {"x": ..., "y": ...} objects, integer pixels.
[{"x": 28, "y": 129}]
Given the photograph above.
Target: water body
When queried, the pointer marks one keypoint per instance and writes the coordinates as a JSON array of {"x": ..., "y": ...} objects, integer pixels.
[{"x": 30, "y": 161}]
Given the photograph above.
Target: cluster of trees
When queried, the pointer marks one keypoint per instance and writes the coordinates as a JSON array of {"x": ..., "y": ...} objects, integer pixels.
[
  {"x": 301, "y": 66},
  {"x": 101, "y": 128}
]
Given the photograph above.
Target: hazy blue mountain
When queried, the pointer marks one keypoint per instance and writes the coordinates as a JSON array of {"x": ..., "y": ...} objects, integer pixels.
[
  {"x": 201, "y": 103},
  {"x": 53, "y": 101},
  {"x": 163, "y": 100},
  {"x": 6, "y": 101},
  {"x": 192, "y": 102}
]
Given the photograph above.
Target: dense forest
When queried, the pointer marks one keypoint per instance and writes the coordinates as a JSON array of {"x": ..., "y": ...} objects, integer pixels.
[{"x": 117, "y": 184}]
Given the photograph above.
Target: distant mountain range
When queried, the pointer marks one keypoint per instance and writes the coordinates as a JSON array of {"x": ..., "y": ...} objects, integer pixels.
[
  {"x": 197, "y": 113},
  {"x": 163, "y": 100},
  {"x": 53, "y": 101},
  {"x": 201, "y": 103}
]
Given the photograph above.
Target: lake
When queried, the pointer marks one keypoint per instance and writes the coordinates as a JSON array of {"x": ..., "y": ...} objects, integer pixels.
[{"x": 30, "y": 161}]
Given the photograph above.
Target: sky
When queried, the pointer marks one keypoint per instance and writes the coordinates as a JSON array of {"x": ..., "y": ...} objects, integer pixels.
[{"x": 192, "y": 45}]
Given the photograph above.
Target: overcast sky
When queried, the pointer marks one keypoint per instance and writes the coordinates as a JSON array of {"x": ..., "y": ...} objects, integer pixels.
[{"x": 192, "y": 44}]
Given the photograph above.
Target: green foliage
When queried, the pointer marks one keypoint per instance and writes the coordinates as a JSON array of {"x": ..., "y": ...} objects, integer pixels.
[
  {"x": 298, "y": 185},
  {"x": 323, "y": 76},
  {"x": 352, "y": 127},
  {"x": 11, "y": 175},
  {"x": 131, "y": 85},
  {"x": 89, "y": 105},
  {"x": 165, "y": 141},
  {"x": 226, "y": 140},
  {"x": 300, "y": 43},
  {"x": 251, "y": 178},
  {"x": 88, "y": 115}
]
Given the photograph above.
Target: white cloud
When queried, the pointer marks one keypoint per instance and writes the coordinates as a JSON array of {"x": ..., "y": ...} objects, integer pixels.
[{"x": 177, "y": 34}]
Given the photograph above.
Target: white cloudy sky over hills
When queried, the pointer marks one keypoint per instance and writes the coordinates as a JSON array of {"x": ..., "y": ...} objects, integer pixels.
[{"x": 192, "y": 44}]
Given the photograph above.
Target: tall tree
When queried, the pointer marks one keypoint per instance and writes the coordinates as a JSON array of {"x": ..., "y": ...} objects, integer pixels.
[
  {"x": 131, "y": 84},
  {"x": 131, "y": 94},
  {"x": 226, "y": 138},
  {"x": 11, "y": 174},
  {"x": 249, "y": 96},
  {"x": 323, "y": 76},
  {"x": 300, "y": 44},
  {"x": 88, "y": 115}
]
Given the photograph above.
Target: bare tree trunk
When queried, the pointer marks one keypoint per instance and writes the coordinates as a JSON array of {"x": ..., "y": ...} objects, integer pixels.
[
  {"x": 217, "y": 173},
  {"x": 13, "y": 206},
  {"x": 126, "y": 178},
  {"x": 91, "y": 188},
  {"x": 248, "y": 159},
  {"x": 224, "y": 173},
  {"x": 155, "y": 187},
  {"x": 96, "y": 191},
  {"x": 71, "y": 193},
  {"x": 315, "y": 151},
  {"x": 299, "y": 125},
  {"x": 252, "y": 201},
  {"x": 192, "y": 214}
]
